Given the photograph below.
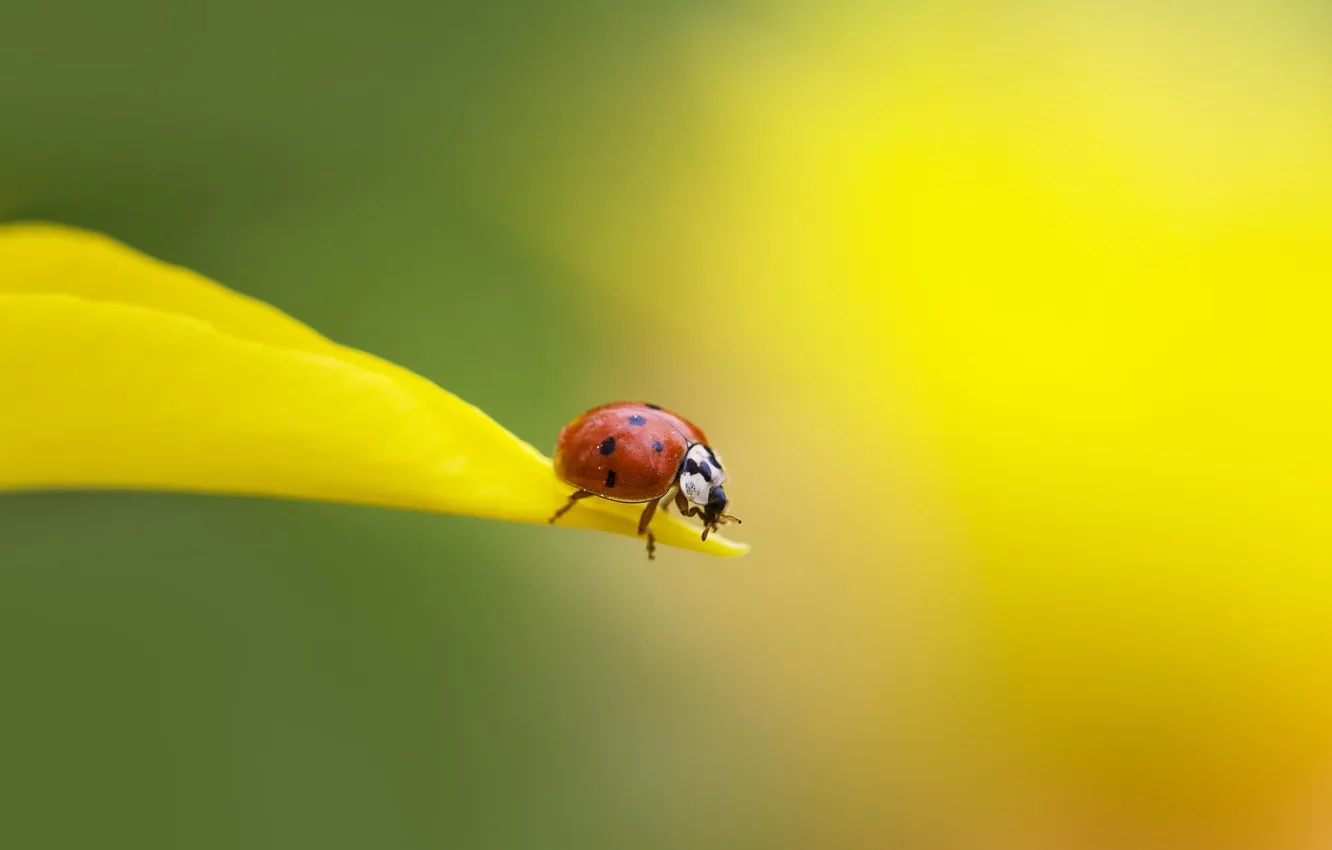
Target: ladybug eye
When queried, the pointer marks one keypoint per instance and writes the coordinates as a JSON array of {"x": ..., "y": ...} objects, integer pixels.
[{"x": 717, "y": 499}]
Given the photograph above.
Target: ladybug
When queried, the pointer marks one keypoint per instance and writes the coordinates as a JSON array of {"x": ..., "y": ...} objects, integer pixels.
[{"x": 635, "y": 452}]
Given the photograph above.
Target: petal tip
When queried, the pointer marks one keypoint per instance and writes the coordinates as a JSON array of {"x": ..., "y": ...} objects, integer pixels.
[{"x": 729, "y": 548}]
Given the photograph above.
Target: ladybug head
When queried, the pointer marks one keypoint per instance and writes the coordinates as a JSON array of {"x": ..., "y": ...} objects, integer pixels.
[
  {"x": 714, "y": 513},
  {"x": 701, "y": 478}
]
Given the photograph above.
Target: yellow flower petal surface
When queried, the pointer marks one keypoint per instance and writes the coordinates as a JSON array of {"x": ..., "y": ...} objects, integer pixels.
[{"x": 119, "y": 371}]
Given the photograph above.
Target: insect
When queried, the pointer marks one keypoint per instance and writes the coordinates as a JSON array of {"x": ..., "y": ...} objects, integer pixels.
[{"x": 634, "y": 452}]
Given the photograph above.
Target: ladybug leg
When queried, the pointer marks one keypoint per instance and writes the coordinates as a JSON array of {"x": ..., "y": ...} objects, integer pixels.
[
  {"x": 643, "y": 522},
  {"x": 688, "y": 510},
  {"x": 682, "y": 504},
  {"x": 648, "y": 510},
  {"x": 578, "y": 494}
]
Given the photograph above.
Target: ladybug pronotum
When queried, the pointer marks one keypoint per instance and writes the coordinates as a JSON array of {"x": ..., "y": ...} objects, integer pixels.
[{"x": 641, "y": 453}]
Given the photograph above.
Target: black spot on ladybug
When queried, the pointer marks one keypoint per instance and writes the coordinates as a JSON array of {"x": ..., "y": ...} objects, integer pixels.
[
  {"x": 610, "y": 478},
  {"x": 637, "y": 420},
  {"x": 706, "y": 470},
  {"x": 715, "y": 462},
  {"x": 653, "y": 406},
  {"x": 657, "y": 446},
  {"x": 608, "y": 445},
  {"x": 691, "y": 467}
]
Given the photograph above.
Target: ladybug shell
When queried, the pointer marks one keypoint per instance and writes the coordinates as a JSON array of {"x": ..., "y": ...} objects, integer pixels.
[{"x": 626, "y": 452}]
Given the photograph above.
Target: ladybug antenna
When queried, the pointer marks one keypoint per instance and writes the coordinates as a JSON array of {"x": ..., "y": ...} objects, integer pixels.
[{"x": 721, "y": 520}]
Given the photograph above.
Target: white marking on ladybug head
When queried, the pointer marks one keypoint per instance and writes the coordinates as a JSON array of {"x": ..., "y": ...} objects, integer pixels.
[{"x": 700, "y": 473}]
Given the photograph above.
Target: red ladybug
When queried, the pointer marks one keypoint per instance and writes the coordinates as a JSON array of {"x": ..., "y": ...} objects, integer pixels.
[{"x": 635, "y": 452}]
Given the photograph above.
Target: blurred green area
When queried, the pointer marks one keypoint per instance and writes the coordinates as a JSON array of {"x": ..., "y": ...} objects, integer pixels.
[{"x": 204, "y": 672}]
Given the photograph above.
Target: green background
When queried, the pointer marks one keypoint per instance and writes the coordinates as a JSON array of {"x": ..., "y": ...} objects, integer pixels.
[{"x": 206, "y": 672}]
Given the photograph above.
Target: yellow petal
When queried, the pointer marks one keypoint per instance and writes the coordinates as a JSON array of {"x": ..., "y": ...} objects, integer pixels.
[{"x": 119, "y": 371}]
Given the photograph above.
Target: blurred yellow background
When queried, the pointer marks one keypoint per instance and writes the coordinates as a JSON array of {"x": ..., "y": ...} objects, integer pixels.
[{"x": 1010, "y": 321}]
